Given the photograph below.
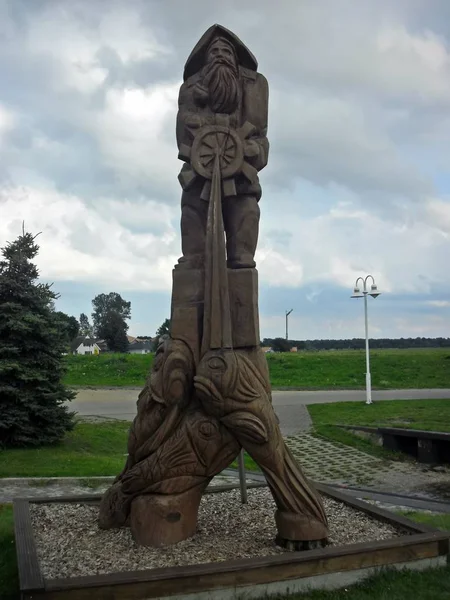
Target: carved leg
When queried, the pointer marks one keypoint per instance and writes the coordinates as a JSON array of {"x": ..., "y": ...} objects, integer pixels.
[
  {"x": 233, "y": 388},
  {"x": 241, "y": 221},
  {"x": 194, "y": 213},
  {"x": 300, "y": 515}
]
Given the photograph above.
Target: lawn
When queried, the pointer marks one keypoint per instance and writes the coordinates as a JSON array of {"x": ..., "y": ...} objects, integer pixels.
[
  {"x": 106, "y": 370},
  {"x": 346, "y": 369},
  {"x": 431, "y": 415},
  {"x": 340, "y": 369},
  {"x": 90, "y": 449},
  {"x": 437, "y": 520},
  {"x": 433, "y": 584}
]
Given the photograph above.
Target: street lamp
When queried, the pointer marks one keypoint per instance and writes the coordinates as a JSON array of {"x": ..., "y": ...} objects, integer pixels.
[
  {"x": 358, "y": 294},
  {"x": 288, "y": 312}
]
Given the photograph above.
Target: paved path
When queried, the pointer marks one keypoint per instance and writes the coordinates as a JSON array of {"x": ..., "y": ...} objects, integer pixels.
[
  {"x": 332, "y": 462},
  {"x": 289, "y": 405}
]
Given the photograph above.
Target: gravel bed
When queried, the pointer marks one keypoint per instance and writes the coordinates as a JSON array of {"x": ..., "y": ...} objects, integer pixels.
[{"x": 69, "y": 542}]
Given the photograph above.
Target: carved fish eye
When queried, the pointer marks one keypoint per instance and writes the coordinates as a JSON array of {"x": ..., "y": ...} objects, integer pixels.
[
  {"x": 207, "y": 428},
  {"x": 215, "y": 363}
]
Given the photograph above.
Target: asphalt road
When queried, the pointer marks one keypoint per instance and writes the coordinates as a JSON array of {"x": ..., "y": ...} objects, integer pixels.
[{"x": 289, "y": 405}]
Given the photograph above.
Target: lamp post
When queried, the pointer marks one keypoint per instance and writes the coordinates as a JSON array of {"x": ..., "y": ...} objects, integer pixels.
[
  {"x": 288, "y": 312},
  {"x": 358, "y": 294}
]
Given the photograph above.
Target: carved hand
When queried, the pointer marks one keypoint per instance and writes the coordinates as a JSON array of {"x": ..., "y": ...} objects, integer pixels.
[
  {"x": 194, "y": 121},
  {"x": 251, "y": 148}
]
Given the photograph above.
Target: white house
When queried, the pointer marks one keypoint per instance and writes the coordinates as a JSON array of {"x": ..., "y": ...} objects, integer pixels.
[{"x": 82, "y": 345}]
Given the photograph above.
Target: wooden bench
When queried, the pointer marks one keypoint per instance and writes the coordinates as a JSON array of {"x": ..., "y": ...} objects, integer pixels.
[{"x": 431, "y": 447}]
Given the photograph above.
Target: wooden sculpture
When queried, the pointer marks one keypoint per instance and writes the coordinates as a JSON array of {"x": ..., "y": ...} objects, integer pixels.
[{"x": 208, "y": 394}]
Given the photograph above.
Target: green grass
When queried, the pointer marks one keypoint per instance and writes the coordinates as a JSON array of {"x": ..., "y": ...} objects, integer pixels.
[
  {"x": 430, "y": 415},
  {"x": 9, "y": 580},
  {"x": 437, "y": 520},
  {"x": 249, "y": 463},
  {"x": 91, "y": 449},
  {"x": 339, "y": 369},
  {"x": 346, "y": 369},
  {"x": 432, "y": 584},
  {"x": 105, "y": 370}
]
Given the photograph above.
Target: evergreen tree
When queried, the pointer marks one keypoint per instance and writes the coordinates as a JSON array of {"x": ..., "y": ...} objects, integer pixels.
[{"x": 32, "y": 396}]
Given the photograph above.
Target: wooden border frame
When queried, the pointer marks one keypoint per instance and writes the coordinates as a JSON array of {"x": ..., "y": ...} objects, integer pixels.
[{"x": 420, "y": 542}]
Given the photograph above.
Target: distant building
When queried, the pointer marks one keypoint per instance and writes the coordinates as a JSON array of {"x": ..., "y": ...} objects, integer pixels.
[
  {"x": 294, "y": 349},
  {"x": 102, "y": 345},
  {"x": 138, "y": 347},
  {"x": 83, "y": 345}
]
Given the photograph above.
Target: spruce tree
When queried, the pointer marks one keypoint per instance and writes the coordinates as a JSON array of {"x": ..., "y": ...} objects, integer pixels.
[{"x": 32, "y": 396}]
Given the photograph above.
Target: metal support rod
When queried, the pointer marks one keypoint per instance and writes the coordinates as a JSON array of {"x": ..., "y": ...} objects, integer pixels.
[
  {"x": 242, "y": 477},
  {"x": 368, "y": 378}
]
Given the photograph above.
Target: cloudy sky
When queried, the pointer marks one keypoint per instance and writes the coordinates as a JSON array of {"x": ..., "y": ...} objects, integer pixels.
[{"x": 358, "y": 179}]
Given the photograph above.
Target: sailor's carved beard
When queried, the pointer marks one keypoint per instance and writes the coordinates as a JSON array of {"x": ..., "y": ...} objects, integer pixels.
[{"x": 219, "y": 87}]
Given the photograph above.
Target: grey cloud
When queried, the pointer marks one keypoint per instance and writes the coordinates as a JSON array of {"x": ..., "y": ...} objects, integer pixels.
[
  {"x": 313, "y": 55},
  {"x": 279, "y": 238},
  {"x": 139, "y": 73}
]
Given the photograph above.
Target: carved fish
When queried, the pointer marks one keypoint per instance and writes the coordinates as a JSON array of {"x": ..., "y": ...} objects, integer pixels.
[{"x": 245, "y": 425}]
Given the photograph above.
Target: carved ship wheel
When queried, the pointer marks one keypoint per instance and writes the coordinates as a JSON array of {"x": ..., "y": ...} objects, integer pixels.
[
  {"x": 217, "y": 140},
  {"x": 210, "y": 141}
]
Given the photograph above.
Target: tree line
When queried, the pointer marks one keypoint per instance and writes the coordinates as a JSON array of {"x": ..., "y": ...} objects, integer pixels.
[{"x": 282, "y": 345}]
